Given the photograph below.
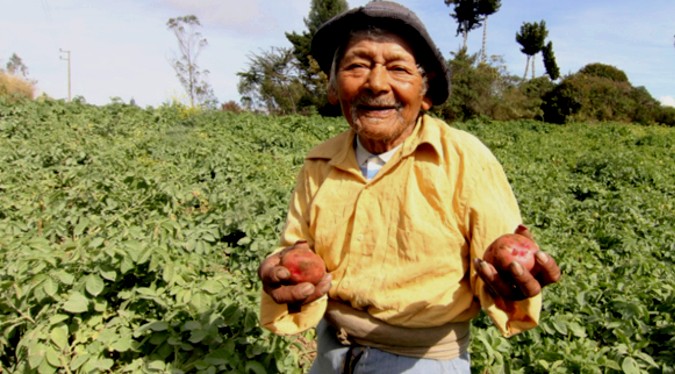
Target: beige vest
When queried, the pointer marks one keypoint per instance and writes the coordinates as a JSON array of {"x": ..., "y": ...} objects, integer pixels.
[{"x": 358, "y": 327}]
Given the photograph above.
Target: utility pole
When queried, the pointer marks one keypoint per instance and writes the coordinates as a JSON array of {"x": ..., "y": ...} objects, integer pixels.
[{"x": 66, "y": 58}]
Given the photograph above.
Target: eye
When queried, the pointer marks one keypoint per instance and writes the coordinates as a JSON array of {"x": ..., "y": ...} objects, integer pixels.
[
  {"x": 400, "y": 70},
  {"x": 355, "y": 66}
]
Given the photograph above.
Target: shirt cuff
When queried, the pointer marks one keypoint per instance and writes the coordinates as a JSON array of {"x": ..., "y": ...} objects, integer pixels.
[
  {"x": 275, "y": 317},
  {"x": 512, "y": 317}
]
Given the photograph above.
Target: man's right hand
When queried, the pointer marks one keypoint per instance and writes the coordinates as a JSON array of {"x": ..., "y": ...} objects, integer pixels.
[{"x": 276, "y": 283}]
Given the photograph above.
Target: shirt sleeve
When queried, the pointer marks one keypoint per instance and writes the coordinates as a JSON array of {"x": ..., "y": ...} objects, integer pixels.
[
  {"x": 273, "y": 316},
  {"x": 493, "y": 211}
]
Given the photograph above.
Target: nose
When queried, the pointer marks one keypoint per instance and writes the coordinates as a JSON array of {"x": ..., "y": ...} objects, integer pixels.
[{"x": 378, "y": 79}]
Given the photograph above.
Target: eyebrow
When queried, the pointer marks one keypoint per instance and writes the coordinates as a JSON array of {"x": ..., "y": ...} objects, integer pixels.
[{"x": 390, "y": 56}]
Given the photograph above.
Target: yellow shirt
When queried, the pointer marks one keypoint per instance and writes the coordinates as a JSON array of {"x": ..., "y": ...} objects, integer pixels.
[{"x": 400, "y": 246}]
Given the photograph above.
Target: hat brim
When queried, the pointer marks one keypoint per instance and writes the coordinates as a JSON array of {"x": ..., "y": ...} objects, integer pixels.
[{"x": 334, "y": 34}]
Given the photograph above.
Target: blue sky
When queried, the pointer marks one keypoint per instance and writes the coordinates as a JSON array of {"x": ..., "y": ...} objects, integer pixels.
[{"x": 122, "y": 48}]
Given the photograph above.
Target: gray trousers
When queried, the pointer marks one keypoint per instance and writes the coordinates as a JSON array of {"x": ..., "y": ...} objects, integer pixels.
[{"x": 335, "y": 358}]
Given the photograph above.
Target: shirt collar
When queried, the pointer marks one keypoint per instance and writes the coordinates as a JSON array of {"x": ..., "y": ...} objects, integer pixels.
[
  {"x": 340, "y": 149},
  {"x": 362, "y": 154}
]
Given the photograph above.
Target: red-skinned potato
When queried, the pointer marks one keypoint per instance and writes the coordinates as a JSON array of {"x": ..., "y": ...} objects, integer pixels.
[
  {"x": 303, "y": 264},
  {"x": 512, "y": 247}
]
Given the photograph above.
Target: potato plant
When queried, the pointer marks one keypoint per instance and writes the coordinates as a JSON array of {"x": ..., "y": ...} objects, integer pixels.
[{"x": 130, "y": 238}]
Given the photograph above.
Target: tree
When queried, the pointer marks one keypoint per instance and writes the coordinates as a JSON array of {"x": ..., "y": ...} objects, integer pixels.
[
  {"x": 15, "y": 66},
  {"x": 271, "y": 83},
  {"x": 484, "y": 9},
  {"x": 190, "y": 45},
  {"x": 310, "y": 73},
  {"x": 550, "y": 64},
  {"x": 600, "y": 70},
  {"x": 465, "y": 12},
  {"x": 531, "y": 37}
]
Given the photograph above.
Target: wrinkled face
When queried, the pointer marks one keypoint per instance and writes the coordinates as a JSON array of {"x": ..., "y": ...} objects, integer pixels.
[{"x": 380, "y": 89}]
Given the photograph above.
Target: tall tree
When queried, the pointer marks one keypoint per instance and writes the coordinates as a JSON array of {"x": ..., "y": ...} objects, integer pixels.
[
  {"x": 549, "y": 61},
  {"x": 465, "y": 12},
  {"x": 315, "y": 82},
  {"x": 484, "y": 9},
  {"x": 190, "y": 44},
  {"x": 15, "y": 66},
  {"x": 272, "y": 82},
  {"x": 531, "y": 38}
]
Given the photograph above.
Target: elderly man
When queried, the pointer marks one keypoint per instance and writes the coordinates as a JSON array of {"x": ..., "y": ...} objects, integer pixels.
[{"x": 401, "y": 209}]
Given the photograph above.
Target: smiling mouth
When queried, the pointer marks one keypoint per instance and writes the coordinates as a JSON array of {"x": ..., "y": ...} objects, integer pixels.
[{"x": 378, "y": 109}]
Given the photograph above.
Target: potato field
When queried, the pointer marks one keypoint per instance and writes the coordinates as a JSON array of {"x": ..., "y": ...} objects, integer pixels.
[{"x": 130, "y": 239}]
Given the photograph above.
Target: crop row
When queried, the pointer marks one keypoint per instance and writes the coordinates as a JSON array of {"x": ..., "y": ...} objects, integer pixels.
[{"x": 130, "y": 237}]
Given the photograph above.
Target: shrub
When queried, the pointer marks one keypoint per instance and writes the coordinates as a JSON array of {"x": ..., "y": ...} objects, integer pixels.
[
  {"x": 604, "y": 71},
  {"x": 523, "y": 101},
  {"x": 15, "y": 88},
  {"x": 666, "y": 116},
  {"x": 599, "y": 93}
]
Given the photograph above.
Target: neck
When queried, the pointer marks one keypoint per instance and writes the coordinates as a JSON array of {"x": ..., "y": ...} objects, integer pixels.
[{"x": 378, "y": 146}]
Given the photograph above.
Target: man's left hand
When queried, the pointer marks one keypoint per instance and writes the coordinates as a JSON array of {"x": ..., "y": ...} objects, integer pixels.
[{"x": 517, "y": 283}]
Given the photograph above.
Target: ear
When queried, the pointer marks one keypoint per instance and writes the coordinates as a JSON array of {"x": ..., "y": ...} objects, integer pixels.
[
  {"x": 427, "y": 103},
  {"x": 333, "y": 98}
]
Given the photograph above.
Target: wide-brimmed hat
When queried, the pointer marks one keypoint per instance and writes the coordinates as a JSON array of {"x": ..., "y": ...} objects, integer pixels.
[{"x": 392, "y": 17}]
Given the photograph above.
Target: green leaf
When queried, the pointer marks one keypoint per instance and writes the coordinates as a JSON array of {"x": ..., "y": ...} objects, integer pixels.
[
  {"x": 197, "y": 336},
  {"x": 647, "y": 358},
  {"x": 79, "y": 360},
  {"x": 560, "y": 326},
  {"x": 191, "y": 326},
  {"x": 110, "y": 275},
  {"x": 36, "y": 354},
  {"x": 212, "y": 286},
  {"x": 126, "y": 265},
  {"x": 59, "y": 336},
  {"x": 64, "y": 277},
  {"x": 168, "y": 272},
  {"x": 76, "y": 303},
  {"x": 122, "y": 345},
  {"x": 630, "y": 366},
  {"x": 97, "y": 242},
  {"x": 53, "y": 357},
  {"x": 156, "y": 365},
  {"x": 104, "y": 364},
  {"x": 80, "y": 227},
  {"x": 255, "y": 367},
  {"x": 50, "y": 287},
  {"x": 57, "y": 318},
  {"x": 94, "y": 284}
]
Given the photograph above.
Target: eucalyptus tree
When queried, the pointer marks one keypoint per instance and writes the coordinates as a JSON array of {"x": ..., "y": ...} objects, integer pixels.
[
  {"x": 531, "y": 38},
  {"x": 484, "y": 9},
  {"x": 190, "y": 44},
  {"x": 465, "y": 12}
]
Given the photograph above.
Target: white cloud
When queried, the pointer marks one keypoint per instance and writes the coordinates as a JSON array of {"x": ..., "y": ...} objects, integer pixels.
[
  {"x": 249, "y": 18},
  {"x": 667, "y": 101}
]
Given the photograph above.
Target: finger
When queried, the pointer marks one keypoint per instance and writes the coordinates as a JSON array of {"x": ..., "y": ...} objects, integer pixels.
[
  {"x": 524, "y": 231},
  {"x": 292, "y": 294},
  {"x": 496, "y": 285},
  {"x": 267, "y": 264},
  {"x": 321, "y": 288},
  {"x": 524, "y": 281},
  {"x": 549, "y": 271},
  {"x": 279, "y": 274}
]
